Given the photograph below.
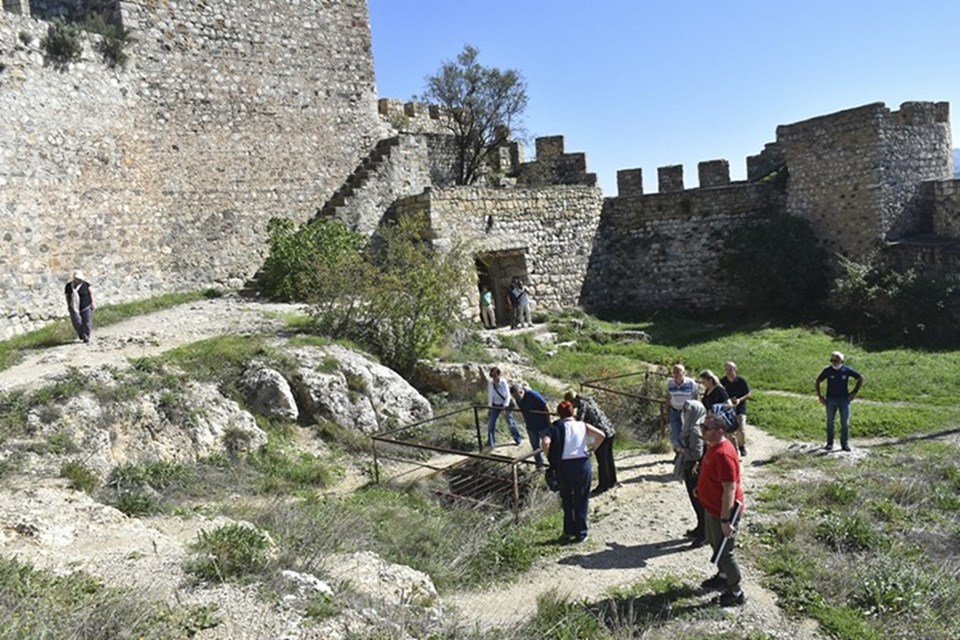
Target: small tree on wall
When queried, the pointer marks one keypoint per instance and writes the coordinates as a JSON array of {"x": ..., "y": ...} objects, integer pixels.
[{"x": 483, "y": 104}]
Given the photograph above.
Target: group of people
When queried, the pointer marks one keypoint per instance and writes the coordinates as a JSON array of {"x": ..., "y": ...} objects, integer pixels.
[
  {"x": 518, "y": 305},
  {"x": 581, "y": 431},
  {"x": 708, "y": 437}
]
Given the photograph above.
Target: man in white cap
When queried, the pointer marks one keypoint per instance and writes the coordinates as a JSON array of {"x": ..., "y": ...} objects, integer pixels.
[
  {"x": 838, "y": 397},
  {"x": 80, "y": 304}
]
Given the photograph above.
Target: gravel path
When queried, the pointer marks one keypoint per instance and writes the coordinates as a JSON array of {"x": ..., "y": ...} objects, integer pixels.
[
  {"x": 636, "y": 533},
  {"x": 147, "y": 335}
]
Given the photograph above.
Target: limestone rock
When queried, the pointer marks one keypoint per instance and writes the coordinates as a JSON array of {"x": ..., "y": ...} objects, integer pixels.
[
  {"x": 381, "y": 581},
  {"x": 196, "y": 423},
  {"x": 346, "y": 387},
  {"x": 269, "y": 393},
  {"x": 460, "y": 381}
]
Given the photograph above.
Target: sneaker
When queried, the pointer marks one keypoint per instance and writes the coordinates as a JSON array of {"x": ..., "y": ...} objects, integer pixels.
[
  {"x": 828, "y": 446},
  {"x": 582, "y": 538},
  {"x": 845, "y": 447},
  {"x": 692, "y": 533},
  {"x": 718, "y": 581},
  {"x": 727, "y": 599},
  {"x": 743, "y": 452},
  {"x": 697, "y": 543}
]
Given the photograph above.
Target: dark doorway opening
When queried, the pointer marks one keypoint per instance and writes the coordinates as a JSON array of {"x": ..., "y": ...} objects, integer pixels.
[{"x": 495, "y": 270}]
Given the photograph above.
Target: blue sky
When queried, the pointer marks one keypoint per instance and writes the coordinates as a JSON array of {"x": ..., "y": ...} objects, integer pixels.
[{"x": 649, "y": 83}]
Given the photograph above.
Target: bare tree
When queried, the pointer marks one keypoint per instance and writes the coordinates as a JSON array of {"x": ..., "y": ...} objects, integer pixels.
[{"x": 483, "y": 104}]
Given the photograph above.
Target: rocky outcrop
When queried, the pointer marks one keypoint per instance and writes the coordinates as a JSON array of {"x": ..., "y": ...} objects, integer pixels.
[
  {"x": 346, "y": 387},
  {"x": 192, "y": 423}
]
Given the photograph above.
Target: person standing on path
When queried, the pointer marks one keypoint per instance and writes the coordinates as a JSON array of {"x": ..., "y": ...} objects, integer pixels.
[
  {"x": 589, "y": 411},
  {"x": 536, "y": 415},
  {"x": 718, "y": 489},
  {"x": 680, "y": 388},
  {"x": 688, "y": 462},
  {"x": 498, "y": 399},
  {"x": 520, "y": 303},
  {"x": 739, "y": 391},
  {"x": 838, "y": 397},
  {"x": 568, "y": 445},
  {"x": 487, "y": 314},
  {"x": 80, "y": 305}
]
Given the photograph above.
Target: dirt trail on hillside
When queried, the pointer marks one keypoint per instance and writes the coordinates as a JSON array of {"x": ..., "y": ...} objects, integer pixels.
[{"x": 117, "y": 344}]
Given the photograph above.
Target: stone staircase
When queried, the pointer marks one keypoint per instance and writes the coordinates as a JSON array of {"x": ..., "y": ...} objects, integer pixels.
[
  {"x": 340, "y": 197},
  {"x": 359, "y": 177}
]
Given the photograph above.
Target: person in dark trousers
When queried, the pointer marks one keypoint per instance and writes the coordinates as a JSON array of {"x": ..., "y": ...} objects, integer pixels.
[
  {"x": 739, "y": 392},
  {"x": 719, "y": 489},
  {"x": 838, "y": 397},
  {"x": 688, "y": 462},
  {"x": 568, "y": 445},
  {"x": 536, "y": 415},
  {"x": 80, "y": 305},
  {"x": 589, "y": 411}
]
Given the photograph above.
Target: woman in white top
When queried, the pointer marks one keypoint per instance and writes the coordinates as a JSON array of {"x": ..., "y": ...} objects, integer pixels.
[{"x": 568, "y": 446}]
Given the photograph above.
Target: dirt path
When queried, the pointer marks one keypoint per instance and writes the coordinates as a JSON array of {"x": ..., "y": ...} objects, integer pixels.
[
  {"x": 636, "y": 533},
  {"x": 148, "y": 335}
]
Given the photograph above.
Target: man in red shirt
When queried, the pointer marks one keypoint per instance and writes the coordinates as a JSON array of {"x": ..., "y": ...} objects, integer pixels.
[{"x": 718, "y": 490}]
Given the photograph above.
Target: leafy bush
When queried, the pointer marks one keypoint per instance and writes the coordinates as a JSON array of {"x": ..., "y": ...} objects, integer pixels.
[
  {"x": 62, "y": 42},
  {"x": 398, "y": 299},
  {"x": 231, "y": 551},
  {"x": 785, "y": 250},
  {"x": 871, "y": 298},
  {"x": 115, "y": 40},
  {"x": 848, "y": 533},
  {"x": 321, "y": 263}
]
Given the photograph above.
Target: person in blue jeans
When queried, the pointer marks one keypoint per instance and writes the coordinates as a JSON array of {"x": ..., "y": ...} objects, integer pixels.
[
  {"x": 535, "y": 414},
  {"x": 568, "y": 445},
  {"x": 498, "y": 399},
  {"x": 838, "y": 397}
]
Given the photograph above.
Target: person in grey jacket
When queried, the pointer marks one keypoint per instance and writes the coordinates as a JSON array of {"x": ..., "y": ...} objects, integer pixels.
[{"x": 688, "y": 458}]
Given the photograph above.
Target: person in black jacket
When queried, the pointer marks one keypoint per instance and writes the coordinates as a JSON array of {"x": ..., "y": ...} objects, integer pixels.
[{"x": 80, "y": 304}]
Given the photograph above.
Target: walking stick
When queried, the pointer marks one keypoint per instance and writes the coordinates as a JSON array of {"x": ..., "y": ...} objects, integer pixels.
[{"x": 734, "y": 521}]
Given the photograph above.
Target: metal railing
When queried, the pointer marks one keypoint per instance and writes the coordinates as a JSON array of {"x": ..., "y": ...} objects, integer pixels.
[{"x": 482, "y": 478}]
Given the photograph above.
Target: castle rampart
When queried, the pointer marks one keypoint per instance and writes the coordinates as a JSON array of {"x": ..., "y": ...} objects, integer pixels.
[
  {"x": 162, "y": 176},
  {"x": 855, "y": 175},
  {"x": 662, "y": 250}
]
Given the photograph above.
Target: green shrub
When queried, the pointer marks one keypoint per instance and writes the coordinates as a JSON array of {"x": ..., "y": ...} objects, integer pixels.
[
  {"x": 788, "y": 254},
  {"x": 81, "y": 478},
  {"x": 848, "y": 533},
  {"x": 137, "y": 502},
  {"x": 62, "y": 43},
  {"x": 115, "y": 39},
  {"x": 872, "y": 299},
  {"x": 229, "y": 552},
  {"x": 25, "y": 38}
]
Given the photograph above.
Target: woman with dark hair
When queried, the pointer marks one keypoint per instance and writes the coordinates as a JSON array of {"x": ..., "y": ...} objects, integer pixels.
[{"x": 568, "y": 445}]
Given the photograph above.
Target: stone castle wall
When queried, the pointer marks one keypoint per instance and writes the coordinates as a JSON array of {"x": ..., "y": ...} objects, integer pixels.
[
  {"x": 543, "y": 235},
  {"x": 662, "y": 251},
  {"x": 855, "y": 175},
  {"x": 162, "y": 176}
]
